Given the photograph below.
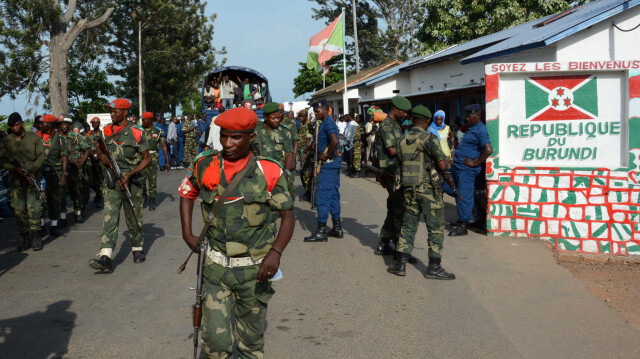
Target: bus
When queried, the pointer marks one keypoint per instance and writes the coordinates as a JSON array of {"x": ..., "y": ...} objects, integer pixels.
[{"x": 235, "y": 73}]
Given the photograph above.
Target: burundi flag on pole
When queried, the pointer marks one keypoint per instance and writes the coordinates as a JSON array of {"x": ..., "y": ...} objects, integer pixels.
[
  {"x": 551, "y": 98},
  {"x": 325, "y": 44}
]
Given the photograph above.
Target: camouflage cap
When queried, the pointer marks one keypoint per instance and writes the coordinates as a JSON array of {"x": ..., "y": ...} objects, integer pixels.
[
  {"x": 303, "y": 112},
  {"x": 401, "y": 103},
  {"x": 421, "y": 111}
]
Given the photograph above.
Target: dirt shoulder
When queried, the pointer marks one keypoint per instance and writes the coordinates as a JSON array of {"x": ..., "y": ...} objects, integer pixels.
[{"x": 617, "y": 283}]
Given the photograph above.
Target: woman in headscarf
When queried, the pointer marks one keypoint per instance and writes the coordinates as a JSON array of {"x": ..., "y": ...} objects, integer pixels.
[{"x": 444, "y": 133}]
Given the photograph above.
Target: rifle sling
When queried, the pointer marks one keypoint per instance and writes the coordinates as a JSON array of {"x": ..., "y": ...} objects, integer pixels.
[{"x": 216, "y": 207}]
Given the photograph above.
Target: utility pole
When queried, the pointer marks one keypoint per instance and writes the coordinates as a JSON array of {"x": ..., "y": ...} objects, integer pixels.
[
  {"x": 140, "y": 82},
  {"x": 355, "y": 34}
]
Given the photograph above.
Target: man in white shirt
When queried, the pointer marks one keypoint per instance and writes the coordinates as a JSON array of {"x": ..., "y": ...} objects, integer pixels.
[
  {"x": 227, "y": 91},
  {"x": 172, "y": 137},
  {"x": 349, "y": 132}
]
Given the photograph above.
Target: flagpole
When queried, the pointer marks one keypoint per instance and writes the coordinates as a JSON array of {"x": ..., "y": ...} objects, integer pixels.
[{"x": 345, "y": 100}]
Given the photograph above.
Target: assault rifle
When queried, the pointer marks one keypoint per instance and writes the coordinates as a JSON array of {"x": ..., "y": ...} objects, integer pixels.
[
  {"x": 114, "y": 173},
  {"x": 379, "y": 172},
  {"x": 31, "y": 179},
  {"x": 307, "y": 147},
  {"x": 449, "y": 181}
]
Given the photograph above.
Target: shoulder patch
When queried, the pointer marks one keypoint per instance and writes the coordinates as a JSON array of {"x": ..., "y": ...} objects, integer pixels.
[
  {"x": 205, "y": 154},
  {"x": 258, "y": 158},
  {"x": 137, "y": 133}
]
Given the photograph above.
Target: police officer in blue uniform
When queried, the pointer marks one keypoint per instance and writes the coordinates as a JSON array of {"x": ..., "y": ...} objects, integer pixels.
[
  {"x": 328, "y": 191},
  {"x": 470, "y": 155}
]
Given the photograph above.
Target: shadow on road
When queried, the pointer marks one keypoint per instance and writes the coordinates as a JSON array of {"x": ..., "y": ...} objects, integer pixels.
[
  {"x": 38, "y": 335},
  {"x": 151, "y": 233}
]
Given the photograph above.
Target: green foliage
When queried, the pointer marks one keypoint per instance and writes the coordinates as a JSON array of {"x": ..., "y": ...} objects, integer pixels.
[
  {"x": 450, "y": 22},
  {"x": 176, "y": 47},
  {"x": 311, "y": 81},
  {"x": 192, "y": 104}
]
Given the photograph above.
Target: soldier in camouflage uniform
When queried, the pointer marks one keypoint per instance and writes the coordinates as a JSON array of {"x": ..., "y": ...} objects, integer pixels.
[
  {"x": 25, "y": 200},
  {"x": 54, "y": 169},
  {"x": 273, "y": 140},
  {"x": 190, "y": 140},
  {"x": 356, "y": 161},
  {"x": 421, "y": 158},
  {"x": 387, "y": 141},
  {"x": 155, "y": 138},
  {"x": 78, "y": 151},
  {"x": 131, "y": 152},
  {"x": 97, "y": 170},
  {"x": 290, "y": 123},
  {"x": 243, "y": 251},
  {"x": 306, "y": 134}
]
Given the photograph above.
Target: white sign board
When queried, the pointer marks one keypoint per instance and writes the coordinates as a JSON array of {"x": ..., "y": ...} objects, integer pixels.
[{"x": 105, "y": 118}]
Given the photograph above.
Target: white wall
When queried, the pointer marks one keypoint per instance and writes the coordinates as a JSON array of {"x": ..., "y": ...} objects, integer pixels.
[
  {"x": 603, "y": 41},
  {"x": 445, "y": 76}
]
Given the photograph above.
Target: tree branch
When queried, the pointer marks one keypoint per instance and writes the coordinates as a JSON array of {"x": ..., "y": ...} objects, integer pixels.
[
  {"x": 71, "y": 8},
  {"x": 75, "y": 31}
]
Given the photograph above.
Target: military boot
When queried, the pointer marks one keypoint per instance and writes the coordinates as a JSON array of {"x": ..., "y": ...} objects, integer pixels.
[
  {"x": 79, "y": 218},
  {"x": 56, "y": 231},
  {"x": 460, "y": 230},
  {"x": 36, "y": 240},
  {"x": 435, "y": 271},
  {"x": 321, "y": 234},
  {"x": 337, "y": 229},
  {"x": 399, "y": 267},
  {"x": 26, "y": 242},
  {"x": 384, "y": 247},
  {"x": 152, "y": 204}
]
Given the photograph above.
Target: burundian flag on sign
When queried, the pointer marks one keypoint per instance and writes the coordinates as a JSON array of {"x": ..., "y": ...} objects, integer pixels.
[
  {"x": 325, "y": 44},
  {"x": 550, "y": 98}
]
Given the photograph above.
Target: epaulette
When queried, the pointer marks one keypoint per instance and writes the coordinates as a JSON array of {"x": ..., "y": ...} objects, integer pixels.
[
  {"x": 285, "y": 126},
  {"x": 205, "y": 154},
  {"x": 270, "y": 159}
]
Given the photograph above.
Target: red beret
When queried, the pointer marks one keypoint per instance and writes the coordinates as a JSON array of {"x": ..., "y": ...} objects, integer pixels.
[
  {"x": 147, "y": 115},
  {"x": 48, "y": 118},
  {"x": 95, "y": 119},
  {"x": 237, "y": 119},
  {"x": 120, "y": 103}
]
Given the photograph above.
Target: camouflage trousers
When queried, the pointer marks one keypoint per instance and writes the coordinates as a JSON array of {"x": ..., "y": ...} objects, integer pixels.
[
  {"x": 97, "y": 177},
  {"x": 27, "y": 206},
  {"x": 114, "y": 199},
  {"x": 306, "y": 173},
  {"x": 86, "y": 184},
  {"x": 390, "y": 231},
  {"x": 54, "y": 193},
  {"x": 431, "y": 205},
  {"x": 151, "y": 176},
  {"x": 75, "y": 186},
  {"x": 234, "y": 292},
  {"x": 190, "y": 150},
  {"x": 356, "y": 160}
]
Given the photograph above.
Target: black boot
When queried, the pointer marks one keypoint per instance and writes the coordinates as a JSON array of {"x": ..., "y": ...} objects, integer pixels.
[
  {"x": 56, "y": 231},
  {"x": 383, "y": 248},
  {"x": 79, "y": 218},
  {"x": 321, "y": 234},
  {"x": 152, "y": 204},
  {"x": 460, "y": 230},
  {"x": 337, "y": 229},
  {"x": 36, "y": 240},
  {"x": 26, "y": 241},
  {"x": 98, "y": 201},
  {"x": 435, "y": 271},
  {"x": 399, "y": 267}
]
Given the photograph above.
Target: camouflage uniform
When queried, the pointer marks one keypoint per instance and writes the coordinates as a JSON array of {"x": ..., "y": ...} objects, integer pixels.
[
  {"x": 24, "y": 199},
  {"x": 190, "y": 142},
  {"x": 126, "y": 146},
  {"x": 97, "y": 170},
  {"x": 425, "y": 198},
  {"x": 76, "y": 146},
  {"x": 389, "y": 135},
  {"x": 295, "y": 137},
  {"x": 154, "y": 137},
  {"x": 356, "y": 162},
  {"x": 306, "y": 130},
  {"x": 54, "y": 148},
  {"x": 242, "y": 228}
]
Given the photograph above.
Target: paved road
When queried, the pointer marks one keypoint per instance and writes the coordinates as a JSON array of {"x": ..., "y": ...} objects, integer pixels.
[{"x": 511, "y": 299}]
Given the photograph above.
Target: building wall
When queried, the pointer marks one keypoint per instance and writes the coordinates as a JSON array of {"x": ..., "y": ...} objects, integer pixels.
[
  {"x": 586, "y": 211},
  {"x": 445, "y": 76}
]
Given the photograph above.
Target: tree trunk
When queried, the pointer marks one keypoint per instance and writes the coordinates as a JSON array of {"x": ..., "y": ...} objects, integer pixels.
[{"x": 58, "y": 71}]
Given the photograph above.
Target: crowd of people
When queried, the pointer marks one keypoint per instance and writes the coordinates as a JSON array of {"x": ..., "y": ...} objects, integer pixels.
[
  {"x": 221, "y": 91},
  {"x": 242, "y": 170}
]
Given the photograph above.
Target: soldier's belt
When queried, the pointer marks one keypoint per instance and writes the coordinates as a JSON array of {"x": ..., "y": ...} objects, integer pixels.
[
  {"x": 153, "y": 151},
  {"x": 231, "y": 262}
]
